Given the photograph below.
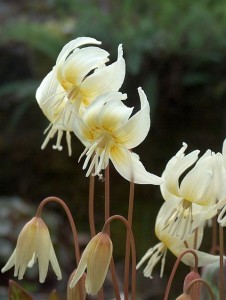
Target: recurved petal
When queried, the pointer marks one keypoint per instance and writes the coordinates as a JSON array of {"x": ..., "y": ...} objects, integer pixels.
[
  {"x": 106, "y": 79},
  {"x": 75, "y": 44},
  {"x": 136, "y": 129},
  {"x": 129, "y": 166},
  {"x": 174, "y": 170},
  {"x": 81, "y": 62},
  {"x": 50, "y": 95}
]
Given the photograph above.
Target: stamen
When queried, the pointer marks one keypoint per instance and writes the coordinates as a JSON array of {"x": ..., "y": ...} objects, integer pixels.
[
  {"x": 68, "y": 139},
  {"x": 154, "y": 255},
  {"x": 93, "y": 163},
  {"x": 163, "y": 262},
  {"x": 179, "y": 222},
  {"x": 49, "y": 136},
  {"x": 58, "y": 142}
]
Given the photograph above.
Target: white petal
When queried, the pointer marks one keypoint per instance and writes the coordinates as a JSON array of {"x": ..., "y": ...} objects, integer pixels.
[
  {"x": 175, "y": 168},
  {"x": 81, "y": 62},
  {"x": 136, "y": 129},
  {"x": 75, "y": 44},
  {"x": 10, "y": 263},
  {"x": 129, "y": 166},
  {"x": 104, "y": 80},
  {"x": 54, "y": 262},
  {"x": 224, "y": 152}
]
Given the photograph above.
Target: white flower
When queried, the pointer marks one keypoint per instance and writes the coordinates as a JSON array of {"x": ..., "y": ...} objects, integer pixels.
[
  {"x": 79, "y": 76},
  {"x": 33, "y": 244},
  {"x": 96, "y": 259},
  {"x": 199, "y": 189},
  {"x": 175, "y": 244},
  {"x": 109, "y": 133}
]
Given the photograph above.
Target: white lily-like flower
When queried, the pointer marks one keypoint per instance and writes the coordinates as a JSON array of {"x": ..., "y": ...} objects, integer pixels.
[
  {"x": 201, "y": 187},
  {"x": 79, "y": 76},
  {"x": 96, "y": 259},
  {"x": 33, "y": 244},
  {"x": 175, "y": 244},
  {"x": 109, "y": 133}
]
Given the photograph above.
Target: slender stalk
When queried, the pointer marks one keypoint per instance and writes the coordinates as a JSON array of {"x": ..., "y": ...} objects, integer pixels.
[
  {"x": 73, "y": 228},
  {"x": 132, "y": 245},
  {"x": 214, "y": 247},
  {"x": 91, "y": 205},
  {"x": 221, "y": 242},
  {"x": 200, "y": 280},
  {"x": 175, "y": 268},
  {"x": 70, "y": 218},
  {"x": 107, "y": 193},
  {"x": 195, "y": 238},
  {"x": 106, "y": 217},
  {"x": 127, "y": 255}
]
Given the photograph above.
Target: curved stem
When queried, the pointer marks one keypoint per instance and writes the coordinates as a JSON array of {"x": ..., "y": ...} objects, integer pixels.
[
  {"x": 127, "y": 255},
  {"x": 189, "y": 287},
  {"x": 70, "y": 218},
  {"x": 107, "y": 194},
  {"x": 221, "y": 242},
  {"x": 72, "y": 223},
  {"x": 132, "y": 245},
  {"x": 214, "y": 247},
  {"x": 91, "y": 205},
  {"x": 175, "y": 268},
  {"x": 106, "y": 217}
]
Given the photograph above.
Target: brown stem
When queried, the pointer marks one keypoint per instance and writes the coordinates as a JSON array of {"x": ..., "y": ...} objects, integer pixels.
[
  {"x": 175, "y": 268},
  {"x": 221, "y": 242},
  {"x": 195, "y": 238},
  {"x": 189, "y": 287},
  {"x": 70, "y": 218},
  {"x": 91, "y": 205},
  {"x": 73, "y": 227},
  {"x": 106, "y": 217},
  {"x": 214, "y": 247},
  {"x": 132, "y": 245},
  {"x": 127, "y": 255},
  {"x": 107, "y": 194}
]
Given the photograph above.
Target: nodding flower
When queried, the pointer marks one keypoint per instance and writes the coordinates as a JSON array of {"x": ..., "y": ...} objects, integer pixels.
[
  {"x": 95, "y": 260},
  {"x": 33, "y": 244},
  {"x": 79, "y": 76}
]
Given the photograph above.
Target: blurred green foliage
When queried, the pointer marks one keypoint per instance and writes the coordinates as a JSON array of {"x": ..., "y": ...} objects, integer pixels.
[{"x": 155, "y": 30}]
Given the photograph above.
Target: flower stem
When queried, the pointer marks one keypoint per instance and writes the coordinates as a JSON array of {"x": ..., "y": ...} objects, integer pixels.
[
  {"x": 175, "y": 268},
  {"x": 91, "y": 205},
  {"x": 73, "y": 228},
  {"x": 106, "y": 217},
  {"x": 70, "y": 218},
  {"x": 200, "y": 280},
  {"x": 127, "y": 255},
  {"x": 132, "y": 245},
  {"x": 221, "y": 242}
]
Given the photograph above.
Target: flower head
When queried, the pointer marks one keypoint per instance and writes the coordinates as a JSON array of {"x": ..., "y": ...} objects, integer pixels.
[
  {"x": 33, "y": 244},
  {"x": 199, "y": 189},
  {"x": 175, "y": 245},
  {"x": 79, "y": 76},
  {"x": 109, "y": 133},
  {"x": 96, "y": 259}
]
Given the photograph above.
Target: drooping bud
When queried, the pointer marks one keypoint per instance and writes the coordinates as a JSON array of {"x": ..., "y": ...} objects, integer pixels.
[{"x": 96, "y": 258}]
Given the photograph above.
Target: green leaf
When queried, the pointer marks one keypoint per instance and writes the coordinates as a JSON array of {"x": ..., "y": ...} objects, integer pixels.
[{"x": 16, "y": 292}]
